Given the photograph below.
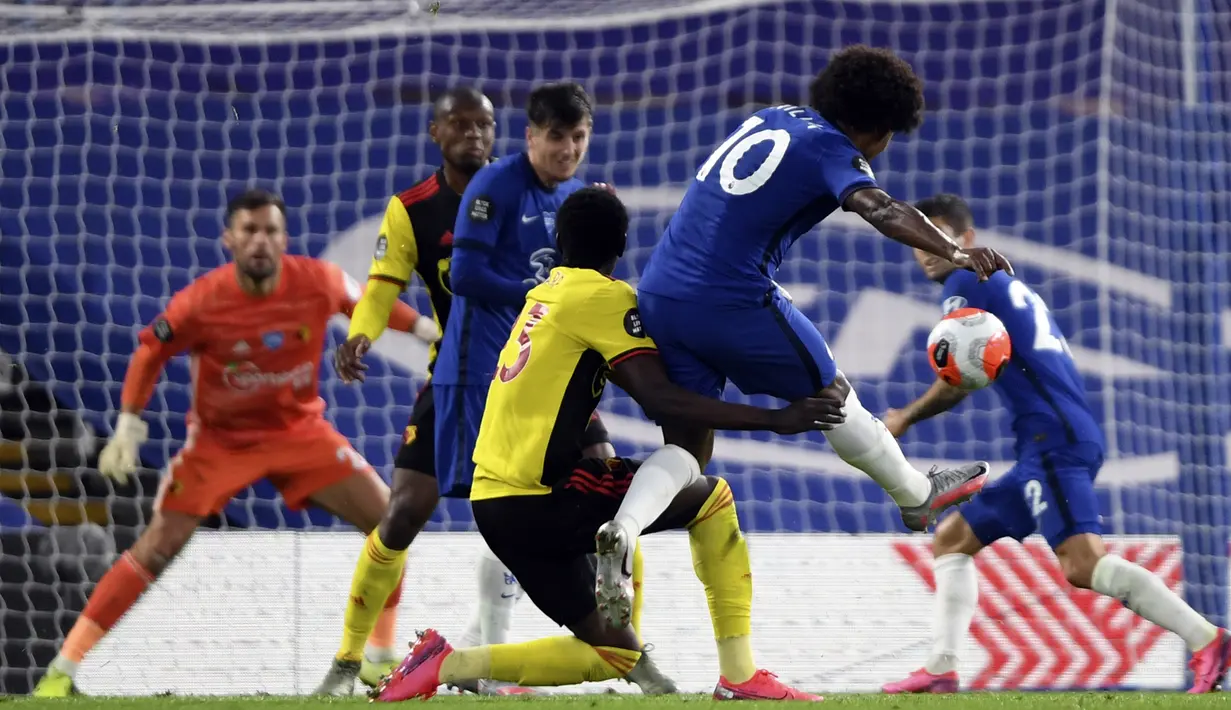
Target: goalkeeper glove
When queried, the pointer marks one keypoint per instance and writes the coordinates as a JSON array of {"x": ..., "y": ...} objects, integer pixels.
[
  {"x": 119, "y": 457},
  {"x": 425, "y": 329}
]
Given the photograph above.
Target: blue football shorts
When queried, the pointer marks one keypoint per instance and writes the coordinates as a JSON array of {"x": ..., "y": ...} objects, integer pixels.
[
  {"x": 769, "y": 349},
  {"x": 1050, "y": 492}
]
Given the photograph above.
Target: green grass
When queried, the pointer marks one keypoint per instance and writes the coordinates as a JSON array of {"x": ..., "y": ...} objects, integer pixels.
[{"x": 965, "y": 701}]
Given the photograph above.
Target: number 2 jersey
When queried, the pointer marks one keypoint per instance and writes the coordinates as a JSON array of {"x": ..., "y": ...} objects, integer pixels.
[
  {"x": 504, "y": 243},
  {"x": 783, "y": 171},
  {"x": 1041, "y": 386}
]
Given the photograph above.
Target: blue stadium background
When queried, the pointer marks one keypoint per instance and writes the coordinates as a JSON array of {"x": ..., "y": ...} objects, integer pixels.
[{"x": 119, "y": 155}]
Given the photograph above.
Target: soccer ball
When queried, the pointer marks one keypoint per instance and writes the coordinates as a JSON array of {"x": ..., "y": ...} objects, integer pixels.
[{"x": 969, "y": 348}]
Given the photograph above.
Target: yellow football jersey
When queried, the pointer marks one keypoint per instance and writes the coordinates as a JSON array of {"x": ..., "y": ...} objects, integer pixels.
[{"x": 550, "y": 376}]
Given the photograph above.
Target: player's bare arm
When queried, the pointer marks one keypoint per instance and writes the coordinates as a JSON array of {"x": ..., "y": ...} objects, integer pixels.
[
  {"x": 901, "y": 222},
  {"x": 646, "y": 381},
  {"x": 940, "y": 398}
]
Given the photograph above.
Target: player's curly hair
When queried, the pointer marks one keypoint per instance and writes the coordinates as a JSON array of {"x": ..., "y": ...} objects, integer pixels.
[
  {"x": 254, "y": 199},
  {"x": 563, "y": 104},
  {"x": 950, "y": 208},
  {"x": 870, "y": 91},
  {"x": 591, "y": 228}
]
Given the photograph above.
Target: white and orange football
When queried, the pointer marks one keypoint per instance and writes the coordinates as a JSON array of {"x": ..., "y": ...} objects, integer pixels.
[{"x": 969, "y": 348}]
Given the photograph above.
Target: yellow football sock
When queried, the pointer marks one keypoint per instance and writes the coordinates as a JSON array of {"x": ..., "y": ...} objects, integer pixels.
[
  {"x": 557, "y": 660},
  {"x": 720, "y": 559},
  {"x": 376, "y": 576},
  {"x": 638, "y": 587}
]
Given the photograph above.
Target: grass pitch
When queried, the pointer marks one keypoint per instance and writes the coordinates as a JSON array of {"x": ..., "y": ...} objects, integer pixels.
[{"x": 964, "y": 701}]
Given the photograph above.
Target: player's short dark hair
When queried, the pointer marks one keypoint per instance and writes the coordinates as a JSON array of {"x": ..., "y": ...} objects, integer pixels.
[
  {"x": 560, "y": 105},
  {"x": 870, "y": 91},
  {"x": 457, "y": 97},
  {"x": 950, "y": 208},
  {"x": 591, "y": 228},
  {"x": 254, "y": 199}
]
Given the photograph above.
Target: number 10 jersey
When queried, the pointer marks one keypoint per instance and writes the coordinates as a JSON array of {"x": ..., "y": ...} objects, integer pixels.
[{"x": 771, "y": 181}]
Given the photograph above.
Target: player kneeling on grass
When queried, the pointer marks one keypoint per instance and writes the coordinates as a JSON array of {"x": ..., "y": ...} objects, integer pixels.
[
  {"x": 255, "y": 330},
  {"x": 1051, "y": 489},
  {"x": 538, "y": 504}
]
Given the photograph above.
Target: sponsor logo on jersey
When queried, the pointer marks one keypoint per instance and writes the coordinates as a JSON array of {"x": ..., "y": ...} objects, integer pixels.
[
  {"x": 382, "y": 247},
  {"x": 952, "y": 303},
  {"x": 247, "y": 377}
]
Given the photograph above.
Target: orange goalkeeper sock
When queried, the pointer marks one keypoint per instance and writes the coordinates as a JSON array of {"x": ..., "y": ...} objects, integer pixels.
[{"x": 115, "y": 594}]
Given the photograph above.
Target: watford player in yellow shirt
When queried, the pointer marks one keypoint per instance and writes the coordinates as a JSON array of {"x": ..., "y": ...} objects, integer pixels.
[
  {"x": 540, "y": 504},
  {"x": 416, "y": 237}
]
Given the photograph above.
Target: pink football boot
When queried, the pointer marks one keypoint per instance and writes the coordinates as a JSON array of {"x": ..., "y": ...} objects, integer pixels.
[
  {"x": 1209, "y": 665},
  {"x": 418, "y": 675},
  {"x": 763, "y": 685},
  {"x": 923, "y": 682}
]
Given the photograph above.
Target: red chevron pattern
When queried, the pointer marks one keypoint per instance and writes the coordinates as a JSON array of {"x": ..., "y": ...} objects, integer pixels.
[{"x": 1041, "y": 632}]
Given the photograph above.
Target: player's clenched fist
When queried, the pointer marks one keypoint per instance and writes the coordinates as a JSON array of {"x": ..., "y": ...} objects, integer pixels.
[
  {"x": 119, "y": 457},
  {"x": 811, "y": 414},
  {"x": 983, "y": 261},
  {"x": 348, "y": 359}
]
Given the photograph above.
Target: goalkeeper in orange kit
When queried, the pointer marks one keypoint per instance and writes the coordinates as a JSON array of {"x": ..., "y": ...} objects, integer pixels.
[{"x": 255, "y": 331}]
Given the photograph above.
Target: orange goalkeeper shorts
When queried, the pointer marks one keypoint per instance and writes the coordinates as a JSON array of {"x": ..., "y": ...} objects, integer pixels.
[{"x": 204, "y": 476}]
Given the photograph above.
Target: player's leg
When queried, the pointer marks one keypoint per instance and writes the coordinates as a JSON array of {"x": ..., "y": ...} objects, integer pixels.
[
  {"x": 545, "y": 540},
  {"x": 198, "y": 483},
  {"x": 330, "y": 474},
  {"x": 997, "y": 512},
  {"x": 706, "y": 509},
  {"x": 1061, "y": 492},
  {"x": 782, "y": 354},
  {"x": 596, "y": 444},
  {"x": 459, "y": 410},
  {"x": 376, "y": 584}
]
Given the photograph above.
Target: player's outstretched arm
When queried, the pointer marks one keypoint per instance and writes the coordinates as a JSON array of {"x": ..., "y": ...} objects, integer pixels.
[
  {"x": 646, "y": 381},
  {"x": 168, "y": 334},
  {"x": 940, "y": 398},
  {"x": 901, "y": 222}
]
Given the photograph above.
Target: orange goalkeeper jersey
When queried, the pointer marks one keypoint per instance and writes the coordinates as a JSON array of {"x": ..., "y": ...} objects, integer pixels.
[{"x": 255, "y": 359}]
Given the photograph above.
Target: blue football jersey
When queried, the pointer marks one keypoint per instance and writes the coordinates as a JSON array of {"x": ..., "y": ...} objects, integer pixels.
[
  {"x": 1041, "y": 385},
  {"x": 771, "y": 181},
  {"x": 504, "y": 244}
]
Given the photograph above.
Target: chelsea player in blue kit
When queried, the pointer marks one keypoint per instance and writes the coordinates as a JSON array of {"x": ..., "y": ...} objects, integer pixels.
[
  {"x": 1050, "y": 490},
  {"x": 708, "y": 298}
]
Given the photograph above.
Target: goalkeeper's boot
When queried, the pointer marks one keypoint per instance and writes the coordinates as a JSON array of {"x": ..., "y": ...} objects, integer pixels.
[
  {"x": 340, "y": 680},
  {"x": 647, "y": 676},
  {"x": 763, "y": 685},
  {"x": 950, "y": 487},
  {"x": 374, "y": 668},
  {"x": 1210, "y": 664},
  {"x": 921, "y": 681},
  {"x": 418, "y": 675},
  {"x": 613, "y": 578},
  {"x": 55, "y": 684}
]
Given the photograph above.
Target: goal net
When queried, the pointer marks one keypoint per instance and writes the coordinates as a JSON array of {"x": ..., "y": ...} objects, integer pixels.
[{"x": 1087, "y": 135}]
